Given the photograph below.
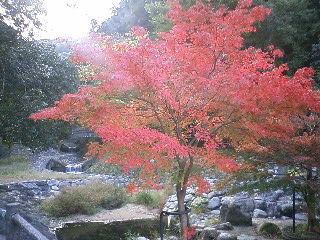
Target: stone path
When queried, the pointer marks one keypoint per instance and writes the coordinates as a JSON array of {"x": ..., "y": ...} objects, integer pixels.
[{"x": 127, "y": 212}]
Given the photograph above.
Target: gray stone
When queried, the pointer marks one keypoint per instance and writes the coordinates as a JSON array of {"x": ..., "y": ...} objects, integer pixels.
[
  {"x": 276, "y": 195},
  {"x": 188, "y": 198},
  {"x": 273, "y": 210},
  {"x": 260, "y": 204},
  {"x": 301, "y": 216},
  {"x": 207, "y": 234},
  {"x": 142, "y": 238},
  {"x": 258, "y": 213},
  {"x": 212, "y": 194},
  {"x": 235, "y": 215},
  {"x": 215, "y": 212},
  {"x": 227, "y": 200},
  {"x": 53, "y": 182},
  {"x": 246, "y": 237},
  {"x": 214, "y": 203},
  {"x": 287, "y": 209},
  {"x": 55, "y": 188},
  {"x": 224, "y": 226},
  {"x": 226, "y": 236}
]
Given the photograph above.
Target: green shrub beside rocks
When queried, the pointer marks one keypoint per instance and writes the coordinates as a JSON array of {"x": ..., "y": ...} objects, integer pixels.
[
  {"x": 269, "y": 229},
  {"x": 85, "y": 200}
]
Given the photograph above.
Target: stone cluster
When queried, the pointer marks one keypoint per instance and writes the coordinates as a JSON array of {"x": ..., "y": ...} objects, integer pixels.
[
  {"x": 236, "y": 210},
  {"x": 40, "y": 189}
]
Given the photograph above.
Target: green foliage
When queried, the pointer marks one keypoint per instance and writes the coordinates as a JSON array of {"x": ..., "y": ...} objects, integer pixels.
[
  {"x": 32, "y": 76},
  {"x": 293, "y": 27},
  {"x": 157, "y": 12},
  {"x": 269, "y": 229},
  {"x": 22, "y": 15},
  {"x": 130, "y": 13},
  {"x": 199, "y": 205},
  {"x": 84, "y": 200},
  {"x": 153, "y": 199},
  {"x": 105, "y": 168}
]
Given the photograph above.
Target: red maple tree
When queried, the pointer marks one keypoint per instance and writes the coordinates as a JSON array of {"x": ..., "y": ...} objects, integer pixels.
[{"x": 167, "y": 105}]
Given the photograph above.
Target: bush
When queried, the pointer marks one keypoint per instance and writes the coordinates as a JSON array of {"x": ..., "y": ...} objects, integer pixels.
[
  {"x": 105, "y": 168},
  {"x": 269, "y": 229},
  {"x": 154, "y": 199},
  {"x": 84, "y": 200}
]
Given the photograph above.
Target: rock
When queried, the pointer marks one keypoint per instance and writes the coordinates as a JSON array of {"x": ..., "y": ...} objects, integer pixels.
[
  {"x": 55, "y": 188},
  {"x": 188, "y": 198},
  {"x": 260, "y": 204},
  {"x": 258, "y": 213},
  {"x": 246, "y": 237},
  {"x": 237, "y": 210},
  {"x": 301, "y": 216},
  {"x": 214, "y": 203},
  {"x": 215, "y": 212},
  {"x": 287, "y": 209},
  {"x": 235, "y": 215},
  {"x": 273, "y": 210},
  {"x": 226, "y": 236},
  {"x": 55, "y": 166},
  {"x": 207, "y": 234},
  {"x": 277, "y": 194},
  {"x": 68, "y": 146},
  {"x": 224, "y": 226},
  {"x": 142, "y": 238},
  {"x": 212, "y": 194}
]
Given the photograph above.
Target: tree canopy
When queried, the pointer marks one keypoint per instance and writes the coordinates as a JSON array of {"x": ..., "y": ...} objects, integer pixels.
[
  {"x": 32, "y": 77},
  {"x": 22, "y": 15},
  {"x": 169, "y": 105}
]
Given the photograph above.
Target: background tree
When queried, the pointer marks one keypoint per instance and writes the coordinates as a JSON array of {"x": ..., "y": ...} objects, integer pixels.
[
  {"x": 130, "y": 13},
  {"x": 293, "y": 27},
  {"x": 22, "y": 15},
  {"x": 32, "y": 77},
  {"x": 168, "y": 105}
]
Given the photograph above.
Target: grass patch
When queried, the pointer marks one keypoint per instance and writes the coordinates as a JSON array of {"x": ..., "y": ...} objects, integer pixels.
[
  {"x": 153, "y": 199},
  {"x": 18, "y": 168},
  {"x": 85, "y": 200}
]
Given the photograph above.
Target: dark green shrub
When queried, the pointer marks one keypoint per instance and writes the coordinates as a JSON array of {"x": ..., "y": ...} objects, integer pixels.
[
  {"x": 144, "y": 198},
  {"x": 153, "y": 199},
  {"x": 84, "y": 200},
  {"x": 114, "y": 198},
  {"x": 269, "y": 229}
]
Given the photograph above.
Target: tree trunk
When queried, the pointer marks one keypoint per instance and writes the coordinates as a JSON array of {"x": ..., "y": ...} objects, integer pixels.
[
  {"x": 181, "y": 194},
  {"x": 311, "y": 203}
]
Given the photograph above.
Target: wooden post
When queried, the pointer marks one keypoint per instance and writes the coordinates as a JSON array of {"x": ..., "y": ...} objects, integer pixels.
[{"x": 12, "y": 229}]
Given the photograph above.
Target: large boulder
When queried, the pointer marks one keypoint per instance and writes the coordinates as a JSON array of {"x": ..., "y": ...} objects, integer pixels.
[
  {"x": 207, "y": 234},
  {"x": 55, "y": 166},
  {"x": 214, "y": 203},
  {"x": 258, "y": 213},
  {"x": 237, "y": 210},
  {"x": 235, "y": 215}
]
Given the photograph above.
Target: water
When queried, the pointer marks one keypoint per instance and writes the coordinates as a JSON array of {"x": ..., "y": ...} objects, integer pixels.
[
  {"x": 111, "y": 231},
  {"x": 74, "y": 168}
]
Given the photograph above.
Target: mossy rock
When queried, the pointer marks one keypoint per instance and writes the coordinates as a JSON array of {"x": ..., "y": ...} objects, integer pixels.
[{"x": 269, "y": 229}]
